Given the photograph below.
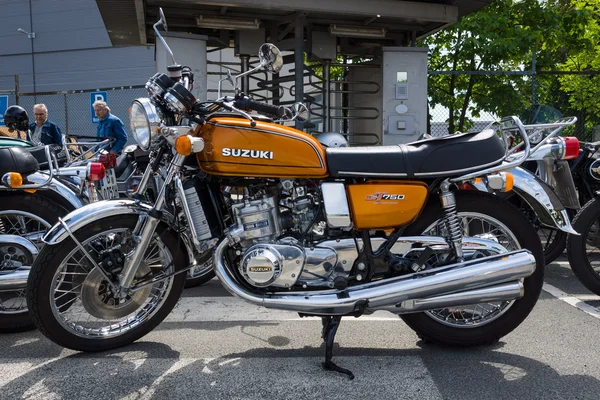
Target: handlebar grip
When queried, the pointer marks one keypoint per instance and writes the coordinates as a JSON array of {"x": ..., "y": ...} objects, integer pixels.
[{"x": 247, "y": 104}]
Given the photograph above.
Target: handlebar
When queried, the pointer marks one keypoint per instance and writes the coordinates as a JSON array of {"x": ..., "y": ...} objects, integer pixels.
[{"x": 246, "y": 104}]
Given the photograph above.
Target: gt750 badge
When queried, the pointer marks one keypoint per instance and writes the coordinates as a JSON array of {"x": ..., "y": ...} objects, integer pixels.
[
  {"x": 377, "y": 197},
  {"x": 246, "y": 153}
]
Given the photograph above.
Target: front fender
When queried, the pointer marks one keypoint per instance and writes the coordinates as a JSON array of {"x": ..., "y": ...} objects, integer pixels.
[
  {"x": 540, "y": 197},
  {"x": 92, "y": 212}
]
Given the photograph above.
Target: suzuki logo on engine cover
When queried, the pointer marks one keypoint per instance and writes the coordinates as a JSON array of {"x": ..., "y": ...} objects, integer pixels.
[
  {"x": 247, "y": 153},
  {"x": 260, "y": 269},
  {"x": 379, "y": 197}
]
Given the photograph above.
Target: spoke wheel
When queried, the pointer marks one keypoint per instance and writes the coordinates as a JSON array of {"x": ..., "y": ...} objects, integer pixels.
[
  {"x": 74, "y": 304},
  {"x": 485, "y": 216},
  {"x": 83, "y": 301},
  {"x": 479, "y": 226},
  {"x": 28, "y": 216}
]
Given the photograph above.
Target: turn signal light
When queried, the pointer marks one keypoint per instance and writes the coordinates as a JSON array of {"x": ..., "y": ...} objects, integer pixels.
[
  {"x": 95, "y": 171},
  {"x": 187, "y": 145},
  {"x": 571, "y": 148},
  {"x": 12, "y": 180},
  {"x": 183, "y": 145},
  {"x": 500, "y": 182}
]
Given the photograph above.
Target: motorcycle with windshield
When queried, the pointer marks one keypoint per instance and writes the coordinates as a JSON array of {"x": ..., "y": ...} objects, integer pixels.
[{"x": 326, "y": 232}]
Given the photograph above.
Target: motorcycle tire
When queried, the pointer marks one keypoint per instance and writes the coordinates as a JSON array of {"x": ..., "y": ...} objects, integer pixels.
[
  {"x": 553, "y": 249},
  {"x": 204, "y": 276},
  {"x": 432, "y": 330},
  {"x": 556, "y": 247},
  {"x": 50, "y": 260},
  {"x": 45, "y": 209},
  {"x": 577, "y": 251}
]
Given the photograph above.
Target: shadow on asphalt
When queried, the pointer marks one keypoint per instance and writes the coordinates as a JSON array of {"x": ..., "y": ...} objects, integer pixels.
[{"x": 154, "y": 370}]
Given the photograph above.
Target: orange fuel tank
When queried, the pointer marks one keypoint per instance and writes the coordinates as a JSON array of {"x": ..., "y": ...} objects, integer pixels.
[
  {"x": 234, "y": 148},
  {"x": 386, "y": 204}
]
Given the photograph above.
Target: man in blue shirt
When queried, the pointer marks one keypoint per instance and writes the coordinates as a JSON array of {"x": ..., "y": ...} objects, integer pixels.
[
  {"x": 110, "y": 126},
  {"x": 43, "y": 131}
]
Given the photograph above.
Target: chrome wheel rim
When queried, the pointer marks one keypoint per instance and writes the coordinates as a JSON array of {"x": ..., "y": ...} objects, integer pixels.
[
  {"x": 473, "y": 316},
  {"x": 75, "y": 272},
  {"x": 30, "y": 227},
  {"x": 24, "y": 224}
]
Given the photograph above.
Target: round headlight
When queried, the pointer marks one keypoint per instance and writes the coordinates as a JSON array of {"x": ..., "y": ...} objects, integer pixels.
[{"x": 143, "y": 121}]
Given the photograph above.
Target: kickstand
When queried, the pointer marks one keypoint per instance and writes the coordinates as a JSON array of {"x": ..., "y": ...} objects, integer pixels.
[{"x": 330, "y": 326}]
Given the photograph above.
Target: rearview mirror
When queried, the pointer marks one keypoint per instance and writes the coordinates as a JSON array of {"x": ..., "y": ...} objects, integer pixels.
[
  {"x": 270, "y": 58},
  {"x": 162, "y": 20}
]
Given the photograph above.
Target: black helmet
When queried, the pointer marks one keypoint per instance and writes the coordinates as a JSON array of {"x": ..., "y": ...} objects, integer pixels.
[{"x": 16, "y": 117}]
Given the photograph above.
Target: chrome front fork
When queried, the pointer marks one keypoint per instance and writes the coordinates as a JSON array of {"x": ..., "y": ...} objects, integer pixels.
[
  {"x": 146, "y": 226},
  {"x": 451, "y": 220}
]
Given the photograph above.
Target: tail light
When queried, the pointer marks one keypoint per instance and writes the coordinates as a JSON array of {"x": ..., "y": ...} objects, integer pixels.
[
  {"x": 557, "y": 148},
  {"x": 108, "y": 160},
  {"x": 571, "y": 148},
  {"x": 95, "y": 171}
]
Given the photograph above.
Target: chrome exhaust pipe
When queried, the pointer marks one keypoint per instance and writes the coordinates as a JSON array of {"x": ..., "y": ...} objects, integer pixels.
[
  {"x": 465, "y": 278},
  {"x": 16, "y": 279},
  {"x": 503, "y": 292}
]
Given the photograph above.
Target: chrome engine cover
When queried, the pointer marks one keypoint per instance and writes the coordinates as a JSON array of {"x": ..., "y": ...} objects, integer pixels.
[
  {"x": 272, "y": 265},
  {"x": 286, "y": 263}
]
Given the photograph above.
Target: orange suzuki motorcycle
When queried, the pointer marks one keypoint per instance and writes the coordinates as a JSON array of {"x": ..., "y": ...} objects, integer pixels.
[{"x": 293, "y": 224}]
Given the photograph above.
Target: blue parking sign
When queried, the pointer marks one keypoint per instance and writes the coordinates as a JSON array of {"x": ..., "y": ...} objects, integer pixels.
[
  {"x": 95, "y": 96},
  {"x": 3, "y": 107}
]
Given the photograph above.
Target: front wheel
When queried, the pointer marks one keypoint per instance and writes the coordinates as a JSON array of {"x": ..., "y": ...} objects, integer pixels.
[
  {"x": 584, "y": 250},
  {"x": 488, "y": 217},
  {"x": 73, "y": 304}
]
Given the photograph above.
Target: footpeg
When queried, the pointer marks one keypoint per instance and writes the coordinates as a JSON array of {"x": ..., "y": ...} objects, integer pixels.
[{"x": 421, "y": 263}]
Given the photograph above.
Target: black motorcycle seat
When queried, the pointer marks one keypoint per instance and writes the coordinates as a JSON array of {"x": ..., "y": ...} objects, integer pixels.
[
  {"x": 39, "y": 153},
  {"x": 430, "y": 158},
  {"x": 17, "y": 159},
  {"x": 122, "y": 164}
]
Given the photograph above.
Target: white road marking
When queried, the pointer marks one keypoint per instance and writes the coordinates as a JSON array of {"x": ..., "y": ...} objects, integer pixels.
[{"x": 571, "y": 300}]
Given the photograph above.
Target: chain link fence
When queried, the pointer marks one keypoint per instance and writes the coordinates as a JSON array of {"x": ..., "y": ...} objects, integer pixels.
[
  {"x": 549, "y": 105},
  {"x": 72, "y": 110}
]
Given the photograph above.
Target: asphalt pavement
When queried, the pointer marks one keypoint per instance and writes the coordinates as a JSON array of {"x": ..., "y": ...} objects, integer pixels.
[{"x": 214, "y": 346}]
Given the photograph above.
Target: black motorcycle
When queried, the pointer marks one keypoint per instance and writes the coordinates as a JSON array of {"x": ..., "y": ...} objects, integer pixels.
[{"x": 584, "y": 250}]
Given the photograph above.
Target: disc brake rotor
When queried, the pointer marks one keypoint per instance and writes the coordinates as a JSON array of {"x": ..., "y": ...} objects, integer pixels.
[{"x": 100, "y": 302}]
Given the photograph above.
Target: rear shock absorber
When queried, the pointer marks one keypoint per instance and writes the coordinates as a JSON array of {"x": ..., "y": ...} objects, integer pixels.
[{"x": 451, "y": 220}]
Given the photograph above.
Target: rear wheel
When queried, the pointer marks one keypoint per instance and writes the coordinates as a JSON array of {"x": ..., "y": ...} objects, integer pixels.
[
  {"x": 73, "y": 304},
  {"x": 28, "y": 216},
  {"x": 488, "y": 217}
]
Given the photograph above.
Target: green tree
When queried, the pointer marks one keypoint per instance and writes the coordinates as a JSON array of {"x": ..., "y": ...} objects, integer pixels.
[{"x": 503, "y": 37}]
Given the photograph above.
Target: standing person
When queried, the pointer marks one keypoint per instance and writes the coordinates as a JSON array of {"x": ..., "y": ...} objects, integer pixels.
[
  {"x": 110, "y": 126},
  {"x": 43, "y": 131}
]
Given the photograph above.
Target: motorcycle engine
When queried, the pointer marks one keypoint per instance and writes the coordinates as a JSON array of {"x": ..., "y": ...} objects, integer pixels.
[{"x": 269, "y": 226}]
